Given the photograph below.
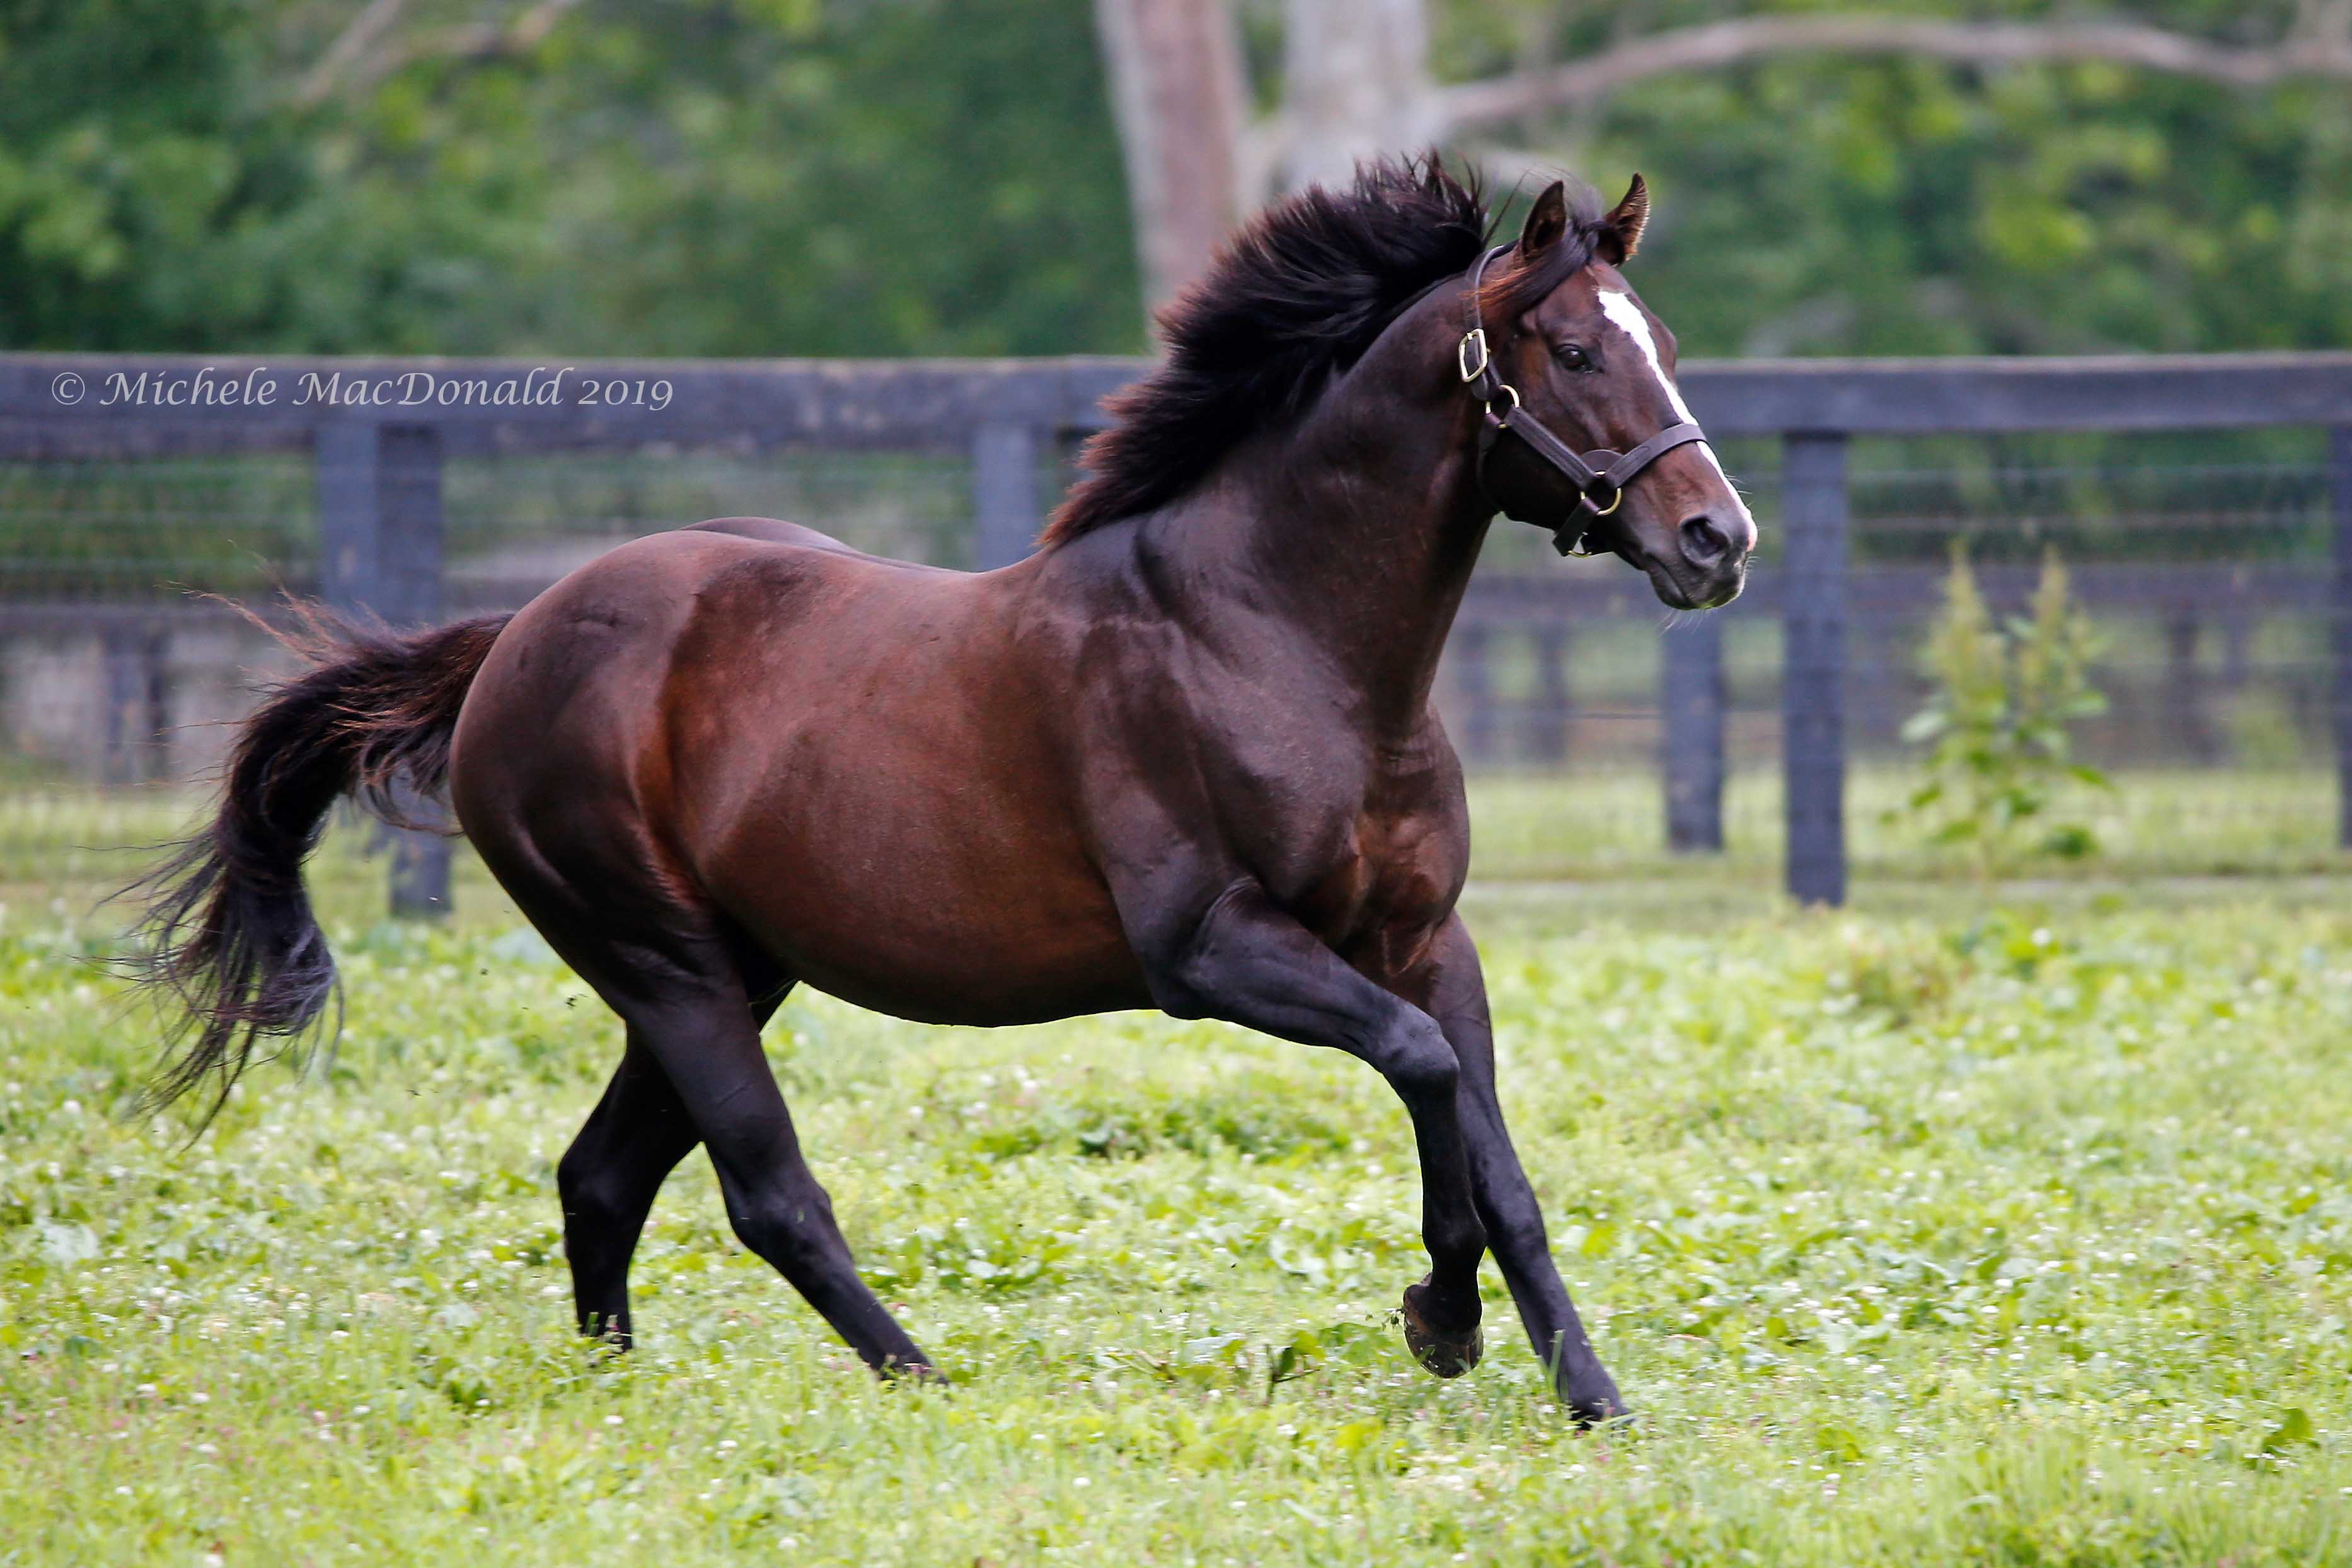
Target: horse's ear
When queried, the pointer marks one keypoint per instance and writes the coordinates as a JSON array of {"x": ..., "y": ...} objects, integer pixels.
[
  {"x": 1620, "y": 231},
  {"x": 1547, "y": 221}
]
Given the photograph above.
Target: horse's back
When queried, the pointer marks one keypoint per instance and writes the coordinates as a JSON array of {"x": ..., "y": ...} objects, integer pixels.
[
  {"x": 735, "y": 577},
  {"x": 794, "y": 535},
  {"x": 719, "y": 635}
]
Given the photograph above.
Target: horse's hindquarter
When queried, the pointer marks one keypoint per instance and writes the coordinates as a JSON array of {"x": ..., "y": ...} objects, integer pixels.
[
  {"x": 864, "y": 782},
  {"x": 833, "y": 751}
]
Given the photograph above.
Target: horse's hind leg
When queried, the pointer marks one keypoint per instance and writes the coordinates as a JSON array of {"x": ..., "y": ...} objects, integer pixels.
[
  {"x": 706, "y": 1043},
  {"x": 637, "y": 1135},
  {"x": 634, "y": 1139},
  {"x": 693, "y": 996}
]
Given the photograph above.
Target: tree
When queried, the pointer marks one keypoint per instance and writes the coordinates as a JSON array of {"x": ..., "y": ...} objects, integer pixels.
[
  {"x": 1357, "y": 78},
  {"x": 1177, "y": 84},
  {"x": 599, "y": 177},
  {"x": 124, "y": 139},
  {"x": 945, "y": 176},
  {"x": 2317, "y": 43},
  {"x": 1355, "y": 84}
]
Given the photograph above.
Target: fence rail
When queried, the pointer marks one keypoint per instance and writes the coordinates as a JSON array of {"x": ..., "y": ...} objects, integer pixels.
[{"x": 380, "y": 433}]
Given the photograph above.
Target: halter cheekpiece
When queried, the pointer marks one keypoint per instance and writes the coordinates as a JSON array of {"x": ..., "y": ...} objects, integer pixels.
[{"x": 1600, "y": 476}]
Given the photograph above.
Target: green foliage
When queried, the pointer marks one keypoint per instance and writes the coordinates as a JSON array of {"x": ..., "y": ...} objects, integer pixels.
[
  {"x": 1999, "y": 726},
  {"x": 695, "y": 177},
  {"x": 941, "y": 177},
  {"x": 131, "y": 158},
  {"x": 1826, "y": 203},
  {"x": 1985, "y": 1235}
]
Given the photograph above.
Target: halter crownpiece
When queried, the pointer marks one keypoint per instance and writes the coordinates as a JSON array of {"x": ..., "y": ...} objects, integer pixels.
[{"x": 1600, "y": 476}]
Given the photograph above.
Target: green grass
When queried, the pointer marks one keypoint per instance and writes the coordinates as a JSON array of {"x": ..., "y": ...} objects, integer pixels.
[
  {"x": 64, "y": 846},
  {"x": 1970, "y": 1229},
  {"x": 2168, "y": 822}
]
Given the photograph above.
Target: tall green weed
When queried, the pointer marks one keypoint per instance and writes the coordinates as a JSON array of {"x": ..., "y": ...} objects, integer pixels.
[{"x": 1999, "y": 728}]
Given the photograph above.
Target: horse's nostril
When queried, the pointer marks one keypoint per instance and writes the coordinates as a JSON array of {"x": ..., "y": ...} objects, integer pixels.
[{"x": 1703, "y": 542}]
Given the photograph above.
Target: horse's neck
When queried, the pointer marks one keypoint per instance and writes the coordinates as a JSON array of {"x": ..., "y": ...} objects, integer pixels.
[{"x": 1362, "y": 523}]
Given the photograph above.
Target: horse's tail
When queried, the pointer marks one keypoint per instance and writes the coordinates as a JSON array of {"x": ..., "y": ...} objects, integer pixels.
[{"x": 229, "y": 936}]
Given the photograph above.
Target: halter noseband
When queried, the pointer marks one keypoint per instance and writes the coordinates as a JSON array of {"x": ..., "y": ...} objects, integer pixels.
[{"x": 1600, "y": 476}]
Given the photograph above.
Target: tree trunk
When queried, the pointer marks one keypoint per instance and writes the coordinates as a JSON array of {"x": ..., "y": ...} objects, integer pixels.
[
  {"x": 1356, "y": 85},
  {"x": 1176, "y": 83}
]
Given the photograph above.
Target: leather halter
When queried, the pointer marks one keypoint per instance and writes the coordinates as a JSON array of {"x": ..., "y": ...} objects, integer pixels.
[{"x": 1600, "y": 476}]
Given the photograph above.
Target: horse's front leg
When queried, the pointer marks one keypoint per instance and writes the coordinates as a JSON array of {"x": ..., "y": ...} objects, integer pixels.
[
  {"x": 1247, "y": 963},
  {"x": 1449, "y": 984}
]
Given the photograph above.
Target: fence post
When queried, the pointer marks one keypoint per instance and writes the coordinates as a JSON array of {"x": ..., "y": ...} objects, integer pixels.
[
  {"x": 1475, "y": 681},
  {"x": 1691, "y": 691},
  {"x": 138, "y": 703},
  {"x": 2339, "y": 484},
  {"x": 1005, "y": 514},
  {"x": 1555, "y": 704},
  {"x": 380, "y": 522},
  {"x": 1812, "y": 695}
]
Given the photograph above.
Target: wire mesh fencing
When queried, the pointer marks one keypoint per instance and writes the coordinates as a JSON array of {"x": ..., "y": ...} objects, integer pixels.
[
  {"x": 124, "y": 656},
  {"x": 2210, "y": 566},
  {"x": 2205, "y": 567}
]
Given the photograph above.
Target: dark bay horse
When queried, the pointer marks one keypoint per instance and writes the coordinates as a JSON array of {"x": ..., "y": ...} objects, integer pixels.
[{"x": 1183, "y": 757}]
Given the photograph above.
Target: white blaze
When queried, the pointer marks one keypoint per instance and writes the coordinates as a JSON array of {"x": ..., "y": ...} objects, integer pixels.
[{"x": 1621, "y": 309}]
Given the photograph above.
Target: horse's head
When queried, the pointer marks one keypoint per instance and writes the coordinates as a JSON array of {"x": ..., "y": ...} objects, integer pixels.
[{"x": 1589, "y": 364}]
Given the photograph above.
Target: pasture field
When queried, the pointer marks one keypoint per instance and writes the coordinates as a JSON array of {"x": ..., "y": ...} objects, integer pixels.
[
  {"x": 61, "y": 846},
  {"x": 2007, "y": 1226}
]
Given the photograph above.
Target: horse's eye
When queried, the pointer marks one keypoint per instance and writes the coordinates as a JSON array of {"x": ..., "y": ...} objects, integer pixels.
[{"x": 1572, "y": 356}]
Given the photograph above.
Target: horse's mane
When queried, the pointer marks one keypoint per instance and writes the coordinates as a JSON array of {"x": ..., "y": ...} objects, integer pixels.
[{"x": 1293, "y": 299}]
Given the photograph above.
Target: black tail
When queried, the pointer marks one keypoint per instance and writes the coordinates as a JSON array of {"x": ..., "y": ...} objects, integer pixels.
[{"x": 227, "y": 929}]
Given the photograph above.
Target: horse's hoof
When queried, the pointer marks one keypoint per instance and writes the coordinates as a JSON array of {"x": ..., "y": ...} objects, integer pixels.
[
  {"x": 1443, "y": 1355},
  {"x": 1587, "y": 1392},
  {"x": 1592, "y": 1409}
]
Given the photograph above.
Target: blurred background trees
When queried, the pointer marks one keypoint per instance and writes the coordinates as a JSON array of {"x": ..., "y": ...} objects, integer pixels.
[
  {"x": 684, "y": 177},
  {"x": 758, "y": 178}
]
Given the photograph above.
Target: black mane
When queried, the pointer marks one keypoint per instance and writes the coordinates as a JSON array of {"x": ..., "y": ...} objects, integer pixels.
[{"x": 1294, "y": 299}]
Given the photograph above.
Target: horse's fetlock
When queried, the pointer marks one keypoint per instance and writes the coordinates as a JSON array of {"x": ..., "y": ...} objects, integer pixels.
[
  {"x": 1456, "y": 1239},
  {"x": 580, "y": 1188},
  {"x": 786, "y": 1230}
]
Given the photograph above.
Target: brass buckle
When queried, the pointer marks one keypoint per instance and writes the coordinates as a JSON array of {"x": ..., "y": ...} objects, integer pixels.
[
  {"x": 1472, "y": 340},
  {"x": 1614, "y": 502}
]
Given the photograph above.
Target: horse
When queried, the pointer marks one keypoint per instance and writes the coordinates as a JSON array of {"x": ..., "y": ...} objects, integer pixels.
[{"x": 1181, "y": 757}]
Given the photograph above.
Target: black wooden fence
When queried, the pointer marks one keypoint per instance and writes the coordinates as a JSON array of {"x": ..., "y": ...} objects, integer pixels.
[{"x": 380, "y": 431}]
